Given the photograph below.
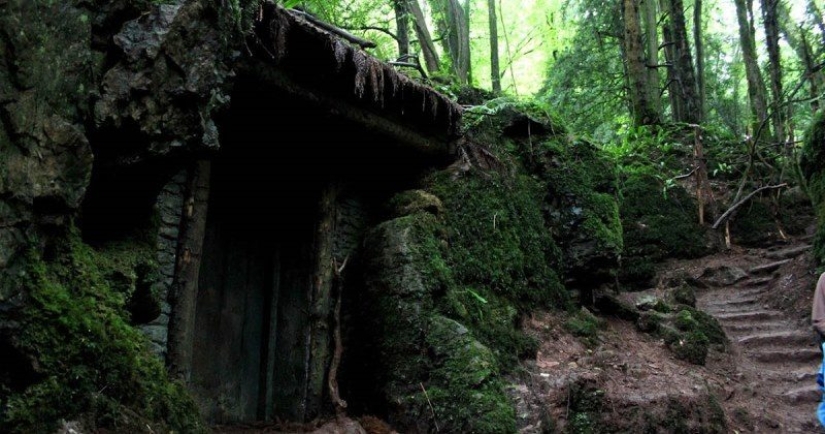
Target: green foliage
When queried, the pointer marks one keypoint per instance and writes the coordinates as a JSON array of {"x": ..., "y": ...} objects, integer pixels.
[
  {"x": 812, "y": 164},
  {"x": 91, "y": 362}
]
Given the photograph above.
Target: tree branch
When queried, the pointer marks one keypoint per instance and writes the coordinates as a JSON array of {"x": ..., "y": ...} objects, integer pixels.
[
  {"x": 735, "y": 206},
  {"x": 363, "y": 43}
]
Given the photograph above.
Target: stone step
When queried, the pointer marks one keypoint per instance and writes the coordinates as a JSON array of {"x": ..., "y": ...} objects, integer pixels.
[
  {"x": 758, "y": 315},
  {"x": 756, "y": 282},
  {"x": 768, "y": 268},
  {"x": 734, "y": 302},
  {"x": 805, "y": 394},
  {"x": 788, "y": 253},
  {"x": 740, "y": 328},
  {"x": 790, "y": 338},
  {"x": 801, "y": 355}
]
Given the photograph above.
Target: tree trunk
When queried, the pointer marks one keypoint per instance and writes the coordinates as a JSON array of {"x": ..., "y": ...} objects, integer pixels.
[
  {"x": 769, "y": 15},
  {"x": 425, "y": 40},
  {"x": 402, "y": 25},
  {"x": 455, "y": 36},
  {"x": 642, "y": 110},
  {"x": 756, "y": 87},
  {"x": 652, "y": 58},
  {"x": 466, "y": 42},
  {"x": 700, "y": 57},
  {"x": 799, "y": 43},
  {"x": 495, "y": 74},
  {"x": 676, "y": 102},
  {"x": 683, "y": 64},
  {"x": 187, "y": 270}
]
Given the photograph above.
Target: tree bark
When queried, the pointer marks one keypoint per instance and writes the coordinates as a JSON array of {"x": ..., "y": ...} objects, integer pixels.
[
  {"x": 637, "y": 74},
  {"x": 769, "y": 15},
  {"x": 185, "y": 286},
  {"x": 402, "y": 25},
  {"x": 700, "y": 57},
  {"x": 676, "y": 103},
  {"x": 683, "y": 65},
  {"x": 652, "y": 41},
  {"x": 425, "y": 40},
  {"x": 495, "y": 73},
  {"x": 756, "y": 87},
  {"x": 455, "y": 36}
]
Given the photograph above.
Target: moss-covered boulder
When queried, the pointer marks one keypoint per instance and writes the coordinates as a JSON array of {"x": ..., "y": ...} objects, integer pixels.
[
  {"x": 579, "y": 183},
  {"x": 425, "y": 369},
  {"x": 812, "y": 163},
  {"x": 658, "y": 223},
  {"x": 75, "y": 354}
]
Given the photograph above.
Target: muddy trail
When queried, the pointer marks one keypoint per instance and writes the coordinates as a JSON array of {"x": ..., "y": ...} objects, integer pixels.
[
  {"x": 623, "y": 379},
  {"x": 758, "y": 296}
]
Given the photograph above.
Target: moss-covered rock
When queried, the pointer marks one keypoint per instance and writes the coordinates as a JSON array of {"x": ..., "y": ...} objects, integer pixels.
[
  {"x": 657, "y": 224},
  {"x": 87, "y": 361},
  {"x": 419, "y": 358},
  {"x": 756, "y": 224},
  {"x": 812, "y": 164}
]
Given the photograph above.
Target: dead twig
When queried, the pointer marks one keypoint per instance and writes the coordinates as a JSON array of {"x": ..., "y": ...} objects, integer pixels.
[
  {"x": 332, "y": 381},
  {"x": 432, "y": 410}
]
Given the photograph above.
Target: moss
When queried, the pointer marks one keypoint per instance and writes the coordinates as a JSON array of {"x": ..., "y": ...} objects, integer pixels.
[
  {"x": 91, "y": 362},
  {"x": 585, "y": 406},
  {"x": 657, "y": 225},
  {"x": 696, "y": 332},
  {"x": 812, "y": 165},
  {"x": 464, "y": 388},
  {"x": 581, "y": 206},
  {"x": 586, "y": 326},
  {"x": 684, "y": 294},
  {"x": 500, "y": 259}
]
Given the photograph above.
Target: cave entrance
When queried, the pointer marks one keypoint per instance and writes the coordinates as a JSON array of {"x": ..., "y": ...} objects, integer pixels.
[{"x": 261, "y": 343}]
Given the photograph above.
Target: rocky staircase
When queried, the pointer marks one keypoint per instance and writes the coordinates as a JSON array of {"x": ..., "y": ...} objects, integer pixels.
[{"x": 777, "y": 355}]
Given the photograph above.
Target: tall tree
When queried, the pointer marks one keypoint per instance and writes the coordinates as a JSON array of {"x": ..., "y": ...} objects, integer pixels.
[
  {"x": 682, "y": 78},
  {"x": 454, "y": 29},
  {"x": 651, "y": 29},
  {"x": 495, "y": 74},
  {"x": 769, "y": 18},
  {"x": 756, "y": 87},
  {"x": 425, "y": 40},
  {"x": 402, "y": 26},
  {"x": 699, "y": 45},
  {"x": 637, "y": 74},
  {"x": 798, "y": 41}
]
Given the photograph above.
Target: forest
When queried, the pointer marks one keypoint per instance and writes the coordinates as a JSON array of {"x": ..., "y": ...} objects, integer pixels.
[{"x": 414, "y": 216}]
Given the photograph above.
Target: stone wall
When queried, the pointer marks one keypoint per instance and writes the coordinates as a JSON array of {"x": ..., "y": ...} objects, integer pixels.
[{"x": 169, "y": 208}]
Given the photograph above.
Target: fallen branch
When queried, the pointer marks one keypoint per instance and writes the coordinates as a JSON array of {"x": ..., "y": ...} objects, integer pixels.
[
  {"x": 363, "y": 43},
  {"x": 735, "y": 206},
  {"x": 686, "y": 175},
  {"x": 426, "y": 395}
]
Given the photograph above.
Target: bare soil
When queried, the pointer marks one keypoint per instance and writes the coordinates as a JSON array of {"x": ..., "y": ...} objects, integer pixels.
[{"x": 764, "y": 380}]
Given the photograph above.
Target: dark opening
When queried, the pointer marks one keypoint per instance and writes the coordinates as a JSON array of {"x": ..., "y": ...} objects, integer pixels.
[{"x": 278, "y": 155}]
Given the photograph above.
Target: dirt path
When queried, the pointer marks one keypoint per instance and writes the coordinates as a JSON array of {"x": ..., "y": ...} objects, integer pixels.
[{"x": 774, "y": 350}]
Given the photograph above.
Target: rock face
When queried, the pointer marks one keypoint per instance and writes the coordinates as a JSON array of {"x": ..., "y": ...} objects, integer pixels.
[{"x": 811, "y": 162}]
